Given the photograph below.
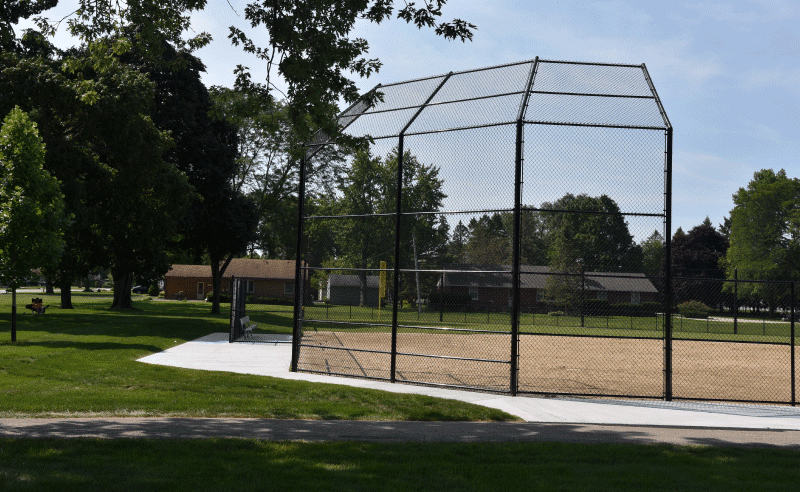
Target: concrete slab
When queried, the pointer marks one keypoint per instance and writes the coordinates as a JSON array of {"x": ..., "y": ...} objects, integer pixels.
[{"x": 214, "y": 353}]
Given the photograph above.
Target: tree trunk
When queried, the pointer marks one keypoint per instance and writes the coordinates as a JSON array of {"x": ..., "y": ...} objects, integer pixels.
[
  {"x": 217, "y": 272},
  {"x": 123, "y": 283},
  {"x": 48, "y": 286},
  {"x": 66, "y": 293},
  {"x": 13, "y": 313},
  {"x": 362, "y": 279}
]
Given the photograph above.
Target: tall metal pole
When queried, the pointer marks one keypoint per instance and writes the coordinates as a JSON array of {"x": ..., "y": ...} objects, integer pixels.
[
  {"x": 396, "y": 279},
  {"x": 297, "y": 327},
  {"x": 735, "y": 300},
  {"x": 515, "y": 266},
  {"x": 668, "y": 271},
  {"x": 515, "y": 281},
  {"x": 791, "y": 343}
]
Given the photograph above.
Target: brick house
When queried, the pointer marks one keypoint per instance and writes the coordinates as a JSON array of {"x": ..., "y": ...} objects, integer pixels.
[
  {"x": 489, "y": 289},
  {"x": 265, "y": 278}
]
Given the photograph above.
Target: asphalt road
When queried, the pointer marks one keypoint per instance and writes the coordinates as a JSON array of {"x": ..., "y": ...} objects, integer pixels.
[{"x": 368, "y": 431}]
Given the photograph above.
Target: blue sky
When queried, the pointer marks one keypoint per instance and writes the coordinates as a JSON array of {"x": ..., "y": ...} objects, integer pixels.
[{"x": 728, "y": 73}]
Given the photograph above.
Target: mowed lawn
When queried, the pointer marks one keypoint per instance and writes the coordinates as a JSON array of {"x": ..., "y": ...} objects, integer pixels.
[
  {"x": 250, "y": 465},
  {"x": 82, "y": 362}
]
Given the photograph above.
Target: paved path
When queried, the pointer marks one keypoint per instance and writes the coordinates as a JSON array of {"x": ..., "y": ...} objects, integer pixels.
[{"x": 326, "y": 430}]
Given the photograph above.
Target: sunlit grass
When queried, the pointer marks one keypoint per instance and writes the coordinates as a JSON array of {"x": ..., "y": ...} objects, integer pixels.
[{"x": 83, "y": 362}]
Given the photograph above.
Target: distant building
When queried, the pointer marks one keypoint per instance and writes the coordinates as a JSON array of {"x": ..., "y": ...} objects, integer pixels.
[
  {"x": 345, "y": 290},
  {"x": 264, "y": 278},
  {"x": 494, "y": 289}
]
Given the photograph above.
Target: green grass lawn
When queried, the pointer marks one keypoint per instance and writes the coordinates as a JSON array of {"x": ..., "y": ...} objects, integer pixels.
[
  {"x": 747, "y": 330},
  {"x": 243, "y": 465},
  {"x": 82, "y": 362}
]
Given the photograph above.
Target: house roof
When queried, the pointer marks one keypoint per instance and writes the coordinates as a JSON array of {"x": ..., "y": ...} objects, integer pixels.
[
  {"x": 241, "y": 268},
  {"x": 337, "y": 280},
  {"x": 535, "y": 277}
]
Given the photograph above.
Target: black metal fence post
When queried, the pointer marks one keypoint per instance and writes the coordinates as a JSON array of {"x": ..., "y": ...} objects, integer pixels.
[
  {"x": 735, "y": 300},
  {"x": 668, "y": 269},
  {"x": 299, "y": 284},
  {"x": 791, "y": 343}
]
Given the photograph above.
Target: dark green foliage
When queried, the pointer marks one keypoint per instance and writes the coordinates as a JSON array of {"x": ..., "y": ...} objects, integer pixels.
[
  {"x": 153, "y": 291},
  {"x": 697, "y": 255},
  {"x": 596, "y": 307},
  {"x": 602, "y": 241},
  {"x": 223, "y": 298}
]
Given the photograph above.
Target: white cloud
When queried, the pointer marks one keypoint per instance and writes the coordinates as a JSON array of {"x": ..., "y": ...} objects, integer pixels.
[
  {"x": 743, "y": 16},
  {"x": 776, "y": 77}
]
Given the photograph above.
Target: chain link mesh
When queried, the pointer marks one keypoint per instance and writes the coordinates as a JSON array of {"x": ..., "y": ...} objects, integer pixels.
[{"x": 553, "y": 170}]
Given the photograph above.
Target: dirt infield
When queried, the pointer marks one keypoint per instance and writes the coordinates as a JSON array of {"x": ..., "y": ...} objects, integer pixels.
[{"x": 560, "y": 364}]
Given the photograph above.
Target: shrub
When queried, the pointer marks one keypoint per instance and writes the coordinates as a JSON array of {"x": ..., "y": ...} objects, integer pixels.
[
  {"x": 160, "y": 294},
  {"x": 450, "y": 301},
  {"x": 223, "y": 298},
  {"x": 556, "y": 313},
  {"x": 595, "y": 307},
  {"x": 694, "y": 309},
  {"x": 153, "y": 290}
]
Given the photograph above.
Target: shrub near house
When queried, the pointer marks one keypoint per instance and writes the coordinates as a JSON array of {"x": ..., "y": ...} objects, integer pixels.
[{"x": 694, "y": 309}]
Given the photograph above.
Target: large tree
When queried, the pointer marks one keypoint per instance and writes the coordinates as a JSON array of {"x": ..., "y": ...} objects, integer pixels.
[
  {"x": 696, "y": 256},
  {"x": 221, "y": 220},
  {"x": 268, "y": 165},
  {"x": 369, "y": 190},
  {"x": 593, "y": 230},
  {"x": 31, "y": 206},
  {"x": 57, "y": 101},
  {"x": 765, "y": 233}
]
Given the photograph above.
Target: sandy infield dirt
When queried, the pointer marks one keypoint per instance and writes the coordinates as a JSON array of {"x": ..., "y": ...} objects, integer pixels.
[{"x": 559, "y": 364}]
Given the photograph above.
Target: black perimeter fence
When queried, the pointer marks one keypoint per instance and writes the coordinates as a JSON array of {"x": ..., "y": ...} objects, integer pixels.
[{"x": 513, "y": 307}]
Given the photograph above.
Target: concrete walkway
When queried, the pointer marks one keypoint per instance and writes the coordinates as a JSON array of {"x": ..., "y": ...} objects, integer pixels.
[{"x": 214, "y": 353}]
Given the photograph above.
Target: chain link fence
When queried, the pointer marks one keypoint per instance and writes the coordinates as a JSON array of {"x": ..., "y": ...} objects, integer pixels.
[{"x": 507, "y": 229}]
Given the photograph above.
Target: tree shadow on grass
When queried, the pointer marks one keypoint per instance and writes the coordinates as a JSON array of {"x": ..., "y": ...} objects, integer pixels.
[{"x": 60, "y": 345}]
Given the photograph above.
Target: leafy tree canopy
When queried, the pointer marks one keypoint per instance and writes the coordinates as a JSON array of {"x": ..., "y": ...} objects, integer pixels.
[{"x": 765, "y": 228}]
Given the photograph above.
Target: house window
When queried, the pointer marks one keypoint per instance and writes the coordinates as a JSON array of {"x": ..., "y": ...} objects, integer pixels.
[
  {"x": 473, "y": 293},
  {"x": 251, "y": 287},
  {"x": 636, "y": 297},
  {"x": 602, "y": 295},
  {"x": 540, "y": 295},
  {"x": 288, "y": 288},
  {"x": 200, "y": 290}
]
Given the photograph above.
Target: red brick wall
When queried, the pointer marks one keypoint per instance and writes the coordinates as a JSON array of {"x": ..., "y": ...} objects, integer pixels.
[{"x": 188, "y": 285}]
